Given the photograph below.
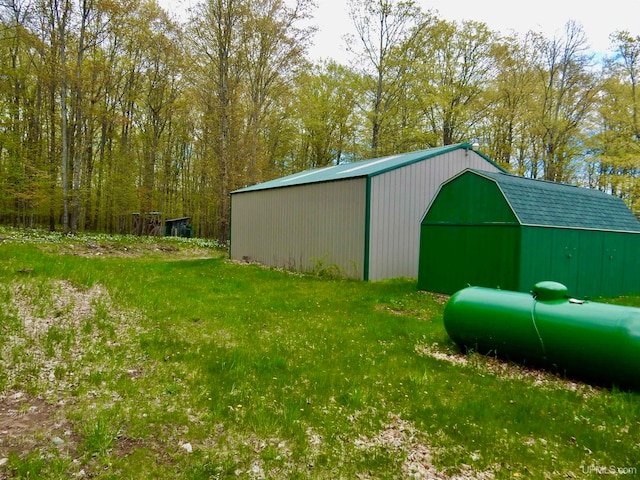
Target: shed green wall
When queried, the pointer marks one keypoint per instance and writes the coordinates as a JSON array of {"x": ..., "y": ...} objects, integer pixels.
[
  {"x": 455, "y": 256},
  {"x": 469, "y": 236},
  {"x": 589, "y": 262}
]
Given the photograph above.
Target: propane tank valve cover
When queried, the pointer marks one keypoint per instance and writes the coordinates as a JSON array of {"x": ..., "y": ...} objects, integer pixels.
[{"x": 549, "y": 291}]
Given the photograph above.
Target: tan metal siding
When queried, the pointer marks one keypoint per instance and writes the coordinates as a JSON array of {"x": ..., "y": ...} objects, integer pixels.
[
  {"x": 399, "y": 198},
  {"x": 302, "y": 227}
]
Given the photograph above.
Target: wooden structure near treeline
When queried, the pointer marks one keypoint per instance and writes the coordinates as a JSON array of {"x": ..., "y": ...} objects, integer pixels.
[
  {"x": 152, "y": 224},
  {"x": 147, "y": 224},
  {"x": 178, "y": 227}
]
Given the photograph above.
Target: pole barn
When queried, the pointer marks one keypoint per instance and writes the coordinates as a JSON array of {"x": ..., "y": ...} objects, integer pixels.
[{"x": 360, "y": 220}]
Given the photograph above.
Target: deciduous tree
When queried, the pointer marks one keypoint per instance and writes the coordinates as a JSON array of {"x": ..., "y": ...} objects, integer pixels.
[
  {"x": 568, "y": 90},
  {"x": 382, "y": 28}
]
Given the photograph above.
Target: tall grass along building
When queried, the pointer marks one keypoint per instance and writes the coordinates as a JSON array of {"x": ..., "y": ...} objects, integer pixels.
[
  {"x": 359, "y": 219},
  {"x": 501, "y": 231}
]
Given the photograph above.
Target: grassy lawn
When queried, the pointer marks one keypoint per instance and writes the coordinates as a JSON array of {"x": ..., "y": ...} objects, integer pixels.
[{"x": 127, "y": 358}]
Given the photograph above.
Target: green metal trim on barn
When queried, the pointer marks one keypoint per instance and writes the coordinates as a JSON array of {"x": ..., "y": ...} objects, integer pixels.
[
  {"x": 367, "y": 228},
  {"x": 501, "y": 231},
  {"x": 361, "y": 219}
]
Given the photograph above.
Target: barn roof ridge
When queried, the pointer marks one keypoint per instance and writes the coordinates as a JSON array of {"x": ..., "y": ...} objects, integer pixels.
[
  {"x": 551, "y": 204},
  {"x": 364, "y": 168}
]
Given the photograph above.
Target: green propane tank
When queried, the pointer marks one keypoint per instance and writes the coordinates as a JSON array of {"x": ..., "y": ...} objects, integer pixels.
[{"x": 549, "y": 329}]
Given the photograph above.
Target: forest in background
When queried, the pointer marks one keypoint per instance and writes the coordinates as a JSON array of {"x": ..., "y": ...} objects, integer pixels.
[{"x": 110, "y": 107}]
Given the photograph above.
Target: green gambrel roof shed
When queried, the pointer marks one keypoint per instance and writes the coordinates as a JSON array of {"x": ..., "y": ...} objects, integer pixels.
[{"x": 502, "y": 231}]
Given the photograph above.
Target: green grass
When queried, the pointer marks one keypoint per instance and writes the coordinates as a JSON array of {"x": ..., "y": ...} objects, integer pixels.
[{"x": 147, "y": 360}]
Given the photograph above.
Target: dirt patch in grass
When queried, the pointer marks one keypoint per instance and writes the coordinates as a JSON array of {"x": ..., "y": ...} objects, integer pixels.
[
  {"x": 68, "y": 308},
  {"x": 114, "y": 249},
  {"x": 28, "y": 423},
  {"x": 59, "y": 336},
  {"x": 403, "y": 438},
  {"x": 57, "y": 331}
]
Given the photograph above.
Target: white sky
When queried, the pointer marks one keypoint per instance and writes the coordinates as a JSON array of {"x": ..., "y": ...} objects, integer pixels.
[{"x": 598, "y": 18}]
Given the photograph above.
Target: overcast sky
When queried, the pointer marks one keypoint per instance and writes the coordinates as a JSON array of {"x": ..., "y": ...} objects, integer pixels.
[{"x": 599, "y": 19}]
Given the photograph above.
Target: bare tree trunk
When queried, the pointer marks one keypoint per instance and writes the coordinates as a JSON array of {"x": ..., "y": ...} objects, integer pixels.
[{"x": 62, "y": 18}]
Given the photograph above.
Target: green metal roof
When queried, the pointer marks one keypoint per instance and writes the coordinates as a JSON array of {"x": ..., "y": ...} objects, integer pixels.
[
  {"x": 366, "y": 168},
  {"x": 543, "y": 203}
]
